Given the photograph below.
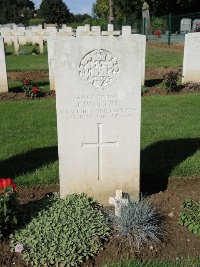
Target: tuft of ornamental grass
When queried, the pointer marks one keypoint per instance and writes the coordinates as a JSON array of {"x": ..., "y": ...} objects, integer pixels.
[{"x": 141, "y": 223}]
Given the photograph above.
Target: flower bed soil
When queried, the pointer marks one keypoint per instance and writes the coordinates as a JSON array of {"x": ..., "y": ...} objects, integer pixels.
[
  {"x": 179, "y": 242},
  {"x": 154, "y": 78}
]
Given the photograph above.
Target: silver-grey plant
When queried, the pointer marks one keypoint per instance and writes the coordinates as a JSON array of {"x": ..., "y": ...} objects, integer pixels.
[{"x": 140, "y": 222}]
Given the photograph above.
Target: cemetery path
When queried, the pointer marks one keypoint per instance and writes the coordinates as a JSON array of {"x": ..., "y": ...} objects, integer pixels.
[{"x": 178, "y": 243}]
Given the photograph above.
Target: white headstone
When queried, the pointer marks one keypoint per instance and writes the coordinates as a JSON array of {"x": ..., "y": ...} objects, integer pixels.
[
  {"x": 3, "y": 74},
  {"x": 6, "y": 34},
  {"x": 51, "y": 62},
  {"x": 98, "y": 99},
  {"x": 80, "y": 31},
  {"x": 16, "y": 45},
  {"x": 96, "y": 30},
  {"x": 110, "y": 31},
  {"x": 126, "y": 30},
  {"x": 186, "y": 25},
  {"x": 195, "y": 23},
  {"x": 191, "y": 62}
]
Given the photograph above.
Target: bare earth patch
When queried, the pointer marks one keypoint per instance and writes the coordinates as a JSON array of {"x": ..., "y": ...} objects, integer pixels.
[{"x": 179, "y": 242}]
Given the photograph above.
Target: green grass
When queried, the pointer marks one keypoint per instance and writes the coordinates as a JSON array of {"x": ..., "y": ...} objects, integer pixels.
[
  {"x": 28, "y": 141},
  {"x": 155, "y": 57},
  {"x": 26, "y": 61},
  {"x": 158, "y": 263},
  {"x": 170, "y": 139},
  {"x": 160, "y": 57},
  {"x": 16, "y": 86}
]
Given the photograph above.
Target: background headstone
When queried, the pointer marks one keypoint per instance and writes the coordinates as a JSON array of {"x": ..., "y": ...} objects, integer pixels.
[
  {"x": 191, "y": 62},
  {"x": 195, "y": 23},
  {"x": 186, "y": 26},
  {"x": 3, "y": 74},
  {"x": 98, "y": 99}
]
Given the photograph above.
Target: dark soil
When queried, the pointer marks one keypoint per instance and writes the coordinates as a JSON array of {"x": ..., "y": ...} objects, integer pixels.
[
  {"x": 153, "y": 83},
  {"x": 18, "y": 96},
  {"x": 179, "y": 242},
  {"x": 172, "y": 47},
  {"x": 31, "y": 75}
]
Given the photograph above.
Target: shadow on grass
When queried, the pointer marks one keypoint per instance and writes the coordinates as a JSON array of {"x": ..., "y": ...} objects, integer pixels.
[
  {"x": 159, "y": 159},
  {"x": 28, "y": 161},
  {"x": 153, "y": 82}
]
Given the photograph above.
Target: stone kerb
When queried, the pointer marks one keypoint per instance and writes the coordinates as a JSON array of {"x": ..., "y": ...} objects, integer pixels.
[
  {"x": 98, "y": 101},
  {"x": 3, "y": 74},
  {"x": 191, "y": 61}
]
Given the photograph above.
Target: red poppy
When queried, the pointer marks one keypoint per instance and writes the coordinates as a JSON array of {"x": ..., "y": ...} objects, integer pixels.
[
  {"x": 26, "y": 81},
  {"x": 4, "y": 182},
  {"x": 35, "y": 90}
]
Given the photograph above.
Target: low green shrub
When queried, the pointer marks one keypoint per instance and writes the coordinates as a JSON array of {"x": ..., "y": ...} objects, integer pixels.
[
  {"x": 36, "y": 21},
  {"x": 159, "y": 23},
  {"x": 144, "y": 90},
  {"x": 170, "y": 80},
  {"x": 64, "y": 233},
  {"x": 140, "y": 223},
  {"x": 190, "y": 217},
  {"x": 35, "y": 51}
]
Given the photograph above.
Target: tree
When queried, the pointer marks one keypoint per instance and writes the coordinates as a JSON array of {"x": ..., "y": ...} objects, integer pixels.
[
  {"x": 54, "y": 11},
  {"x": 101, "y": 9},
  {"x": 15, "y": 11}
]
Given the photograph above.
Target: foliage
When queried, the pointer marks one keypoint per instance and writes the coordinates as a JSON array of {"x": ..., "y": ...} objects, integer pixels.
[
  {"x": 125, "y": 11},
  {"x": 66, "y": 232},
  {"x": 80, "y": 18},
  {"x": 31, "y": 90},
  {"x": 159, "y": 23},
  {"x": 16, "y": 11},
  {"x": 36, "y": 21},
  {"x": 144, "y": 90},
  {"x": 190, "y": 217},
  {"x": 7, "y": 205},
  {"x": 192, "y": 86},
  {"x": 140, "y": 222},
  {"x": 54, "y": 11},
  {"x": 35, "y": 51},
  {"x": 170, "y": 81}
]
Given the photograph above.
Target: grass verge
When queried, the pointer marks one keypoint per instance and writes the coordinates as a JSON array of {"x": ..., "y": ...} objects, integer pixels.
[{"x": 170, "y": 139}]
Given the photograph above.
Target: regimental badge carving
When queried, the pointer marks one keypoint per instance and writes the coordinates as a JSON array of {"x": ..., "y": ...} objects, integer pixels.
[{"x": 99, "y": 68}]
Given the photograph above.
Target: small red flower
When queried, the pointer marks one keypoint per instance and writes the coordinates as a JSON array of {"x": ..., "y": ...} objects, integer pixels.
[
  {"x": 26, "y": 81},
  {"x": 4, "y": 182},
  {"x": 35, "y": 90}
]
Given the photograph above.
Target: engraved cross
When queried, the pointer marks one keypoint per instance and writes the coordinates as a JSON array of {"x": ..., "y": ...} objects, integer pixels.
[{"x": 100, "y": 144}]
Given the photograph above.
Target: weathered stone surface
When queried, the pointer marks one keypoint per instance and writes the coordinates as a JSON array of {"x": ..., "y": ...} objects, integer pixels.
[{"x": 98, "y": 99}]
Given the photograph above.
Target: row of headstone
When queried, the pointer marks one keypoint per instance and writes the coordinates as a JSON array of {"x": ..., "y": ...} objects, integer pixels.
[
  {"x": 36, "y": 34},
  {"x": 95, "y": 31},
  {"x": 187, "y": 25},
  {"x": 85, "y": 31}
]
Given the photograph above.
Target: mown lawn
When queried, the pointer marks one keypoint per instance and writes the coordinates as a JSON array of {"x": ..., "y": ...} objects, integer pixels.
[
  {"x": 162, "y": 57},
  {"x": 26, "y": 61},
  {"x": 155, "y": 57},
  {"x": 170, "y": 140}
]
